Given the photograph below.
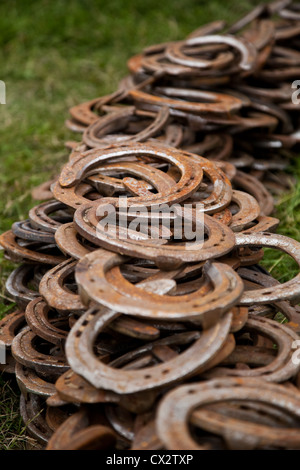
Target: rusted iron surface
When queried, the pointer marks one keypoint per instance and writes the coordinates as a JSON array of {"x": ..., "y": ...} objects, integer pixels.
[
  {"x": 177, "y": 407},
  {"x": 132, "y": 336}
]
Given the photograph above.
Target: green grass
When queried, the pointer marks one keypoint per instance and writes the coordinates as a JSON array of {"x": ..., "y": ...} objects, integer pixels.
[
  {"x": 12, "y": 430},
  {"x": 55, "y": 54},
  {"x": 287, "y": 210}
]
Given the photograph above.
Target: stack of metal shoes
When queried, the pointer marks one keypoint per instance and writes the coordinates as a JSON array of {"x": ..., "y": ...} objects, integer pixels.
[{"x": 144, "y": 319}]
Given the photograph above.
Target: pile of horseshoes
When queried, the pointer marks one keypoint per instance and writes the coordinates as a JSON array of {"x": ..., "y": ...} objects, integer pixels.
[{"x": 130, "y": 335}]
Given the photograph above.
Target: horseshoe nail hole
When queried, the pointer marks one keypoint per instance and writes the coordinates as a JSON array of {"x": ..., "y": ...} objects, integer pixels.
[
  {"x": 78, "y": 334},
  {"x": 85, "y": 322},
  {"x": 245, "y": 407},
  {"x": 191, "y": 392},
  {"x": 166, "y": 371},
  {"x": 94, "y": 312},
  {"x": 216, "y": 244},
  {"x": 147, "y": 376}
]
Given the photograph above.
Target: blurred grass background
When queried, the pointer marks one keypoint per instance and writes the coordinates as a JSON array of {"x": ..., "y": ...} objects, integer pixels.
[{"x": 55, "y": 54}]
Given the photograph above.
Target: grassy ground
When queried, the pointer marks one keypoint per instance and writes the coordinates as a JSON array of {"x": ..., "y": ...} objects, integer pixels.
[{"x": 55, "y": 54}]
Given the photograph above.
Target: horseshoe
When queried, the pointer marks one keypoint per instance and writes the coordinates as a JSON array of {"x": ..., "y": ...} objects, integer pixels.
[
  {"x": 107, "y": 186},
  {"x": 239, "y": 319},
  {"x": 164, "y": 254},
  {"x": 39, "y": 216},
  {"x": 34, "y": 419},
  {"x": 24, "y": 350},
  {"x": 261, "y": 35},
  {"x": 291, "y": 13},
  {"x": 56, "y": 413},
  {"x": 281, "y": 368},
  {"x": 262, "y": 224},
  {"x": 282, "y": 117},
  {"x": 280, "y": 73},
  {"x": 70, "y": 242},
  {"x": 87, "y": 113},
  {"x": 179, "y": 52},
  {"x": 290, "y": 290},
  {"x": 24, "y": 230},
  {"x": 221, "y": 194},
  {"x": 29, "y": 382},
  {"x": 228, "y": 168},
  {"x": 121, "y": 421},
  {"x": 245, "y": 355},
  {"x": 265, "y": 280},
  {"x": 209, "y": 419},
  {"x": 84, "y": 113},
  {"x": 253, "y": 186},
  {"x": 84, "y": 362},
  {"x": 145, "y": 437},
  {"x": 43, "y": 192},
  {"x": 75, "y": 126},
  {"x": 17, "y": 285},
  {"x": 71, "y": 387},
  {"x": 54, "y": 290},
  {"x": 78, "y": 433},
  {"x": 285, "y": 56},
  {"x": 277, "y": 5},
  {"x": 254, "y": 14},
  {"x": 287, "y": 31},
  {"x": 249, "y": 257},
  {"x": 204, "y": 101},
  {"x": 91, "y": 276},
  {"x": 276, "y": 92},
  {"x": 249, "y": 210},
  {"x": 37, "y": 317},
  {"x": 175, "y": 408},
  {"x": 75, "y": 196},
  {"x": 191, "y": 174},
  {"x": 135, "y": 329},
  {"x": 245, "y": 49},
  {"x": 99, "y": 134},
  {"x": 225, "y": 216},
  {"x": 259, "y": 413},
  {"x": 10, "y": 325},
  {"x": 20, "y": 254},
  {"x": 214, "y": 147},
  {"x": 157, "y": 63}
]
